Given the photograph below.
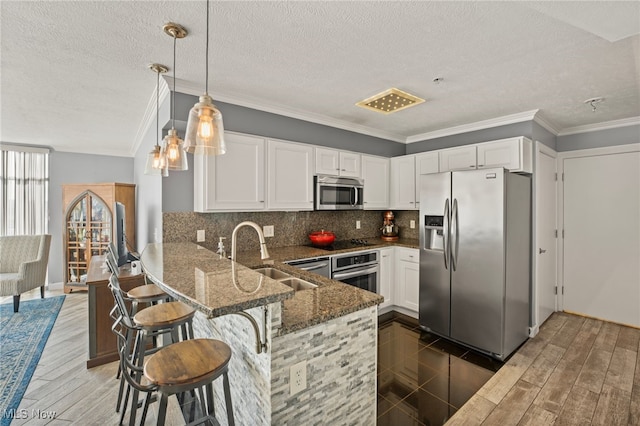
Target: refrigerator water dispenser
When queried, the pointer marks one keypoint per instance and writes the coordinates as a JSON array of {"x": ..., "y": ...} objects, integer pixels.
[{"x": 434, "y": 232}]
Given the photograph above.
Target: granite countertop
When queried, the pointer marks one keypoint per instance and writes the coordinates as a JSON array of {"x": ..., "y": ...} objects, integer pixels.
[
  {"x": 197, "y": 276},
  {"x": 214, "y": 286}
]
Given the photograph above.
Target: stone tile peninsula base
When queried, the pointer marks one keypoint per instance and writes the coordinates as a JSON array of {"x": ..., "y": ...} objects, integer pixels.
[{"x": 340, "y": 355}]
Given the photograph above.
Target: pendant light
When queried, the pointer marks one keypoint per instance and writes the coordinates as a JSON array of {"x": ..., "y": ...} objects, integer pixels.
[
  {"x": 156, "y": 164},
  {"x": 173, "y": 146},
  {"x": 205, "y": 131}
]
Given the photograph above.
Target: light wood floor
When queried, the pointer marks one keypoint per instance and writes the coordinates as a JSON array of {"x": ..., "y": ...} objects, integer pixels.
[
  {"x": 577, "y": 371},
  {"x": 62, "y": 387}
]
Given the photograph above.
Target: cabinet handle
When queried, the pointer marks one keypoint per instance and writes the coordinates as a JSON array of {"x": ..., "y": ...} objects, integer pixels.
[
  {"x": 472, "y": 166},
  {"x": 480, "y": 165}
]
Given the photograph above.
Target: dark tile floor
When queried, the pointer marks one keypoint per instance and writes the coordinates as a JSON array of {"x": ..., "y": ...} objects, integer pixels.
[{"x": 424, "y": 379}]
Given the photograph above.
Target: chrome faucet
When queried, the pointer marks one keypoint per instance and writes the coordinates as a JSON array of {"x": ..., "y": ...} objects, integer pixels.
[{"x": 264, "y": 253}]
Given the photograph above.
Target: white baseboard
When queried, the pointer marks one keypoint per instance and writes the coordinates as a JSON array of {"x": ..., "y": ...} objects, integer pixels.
[{"x": 534, "y": 330}]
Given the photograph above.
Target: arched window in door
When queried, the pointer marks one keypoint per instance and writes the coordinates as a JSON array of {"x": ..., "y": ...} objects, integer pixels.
[{"x": 88, "y": 233}]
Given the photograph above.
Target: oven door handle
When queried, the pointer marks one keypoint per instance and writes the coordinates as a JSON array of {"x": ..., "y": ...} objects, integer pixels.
[
  {"x": 351, "y": 274},
  {"x": 312, "y": 267}
]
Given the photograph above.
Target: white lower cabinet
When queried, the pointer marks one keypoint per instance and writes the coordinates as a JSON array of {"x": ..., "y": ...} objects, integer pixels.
[
  {"x": 387, "y": 276},
  {"x": 289, "y": 176},
  {"x": 407, "y": 287}
]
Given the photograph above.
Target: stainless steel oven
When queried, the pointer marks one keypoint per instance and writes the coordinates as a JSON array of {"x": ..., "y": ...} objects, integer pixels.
[
  {"x": 338, "y": 193},
  {"x": 360, "y": 269}
]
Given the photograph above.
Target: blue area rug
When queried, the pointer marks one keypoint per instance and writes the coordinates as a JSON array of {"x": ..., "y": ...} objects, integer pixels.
[{"x": 22, "y": 339}]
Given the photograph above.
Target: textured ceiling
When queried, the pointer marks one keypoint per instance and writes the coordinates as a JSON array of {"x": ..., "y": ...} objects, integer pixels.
[{"x": 74, "y": 74}]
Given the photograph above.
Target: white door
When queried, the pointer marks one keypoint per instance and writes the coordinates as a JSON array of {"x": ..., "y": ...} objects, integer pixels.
[
  {"x": 602, "y": 236},
  {"x": 545, "y": 249}
]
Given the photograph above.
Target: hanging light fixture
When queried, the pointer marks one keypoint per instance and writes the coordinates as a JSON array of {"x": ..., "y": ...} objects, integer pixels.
[
  {"x": 173, "y": 146},
  {"x": 156, "y": 164},
  {"x": 205, "y": 131}
]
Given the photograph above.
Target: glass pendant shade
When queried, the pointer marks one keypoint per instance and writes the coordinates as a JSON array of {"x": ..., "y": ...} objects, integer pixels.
[
  {"x": 174, "y": 152},
  {"x": 156, "y": 164},
  {"x": 205, "y": 130}
]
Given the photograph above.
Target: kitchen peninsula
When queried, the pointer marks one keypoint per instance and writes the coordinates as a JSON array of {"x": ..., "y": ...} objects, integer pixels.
[{"x": 328, "y": 332}]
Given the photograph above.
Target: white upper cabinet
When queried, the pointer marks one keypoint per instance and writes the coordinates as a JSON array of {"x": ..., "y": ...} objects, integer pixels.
[
  {"x": 350, "y": 164},
  {"x": 327, "y": 162},
  {"x": 402, "y": 184},
  {"x": 337, "y": 163},
  {"x": 514, "y": 154},
  {"x": 289, "y": 176},
  {"x": 375, "y": 172},
  {"x": 233, "y": 181},
  {"x": 426, "y": 163},
  {"x": 461, "y": 158}
]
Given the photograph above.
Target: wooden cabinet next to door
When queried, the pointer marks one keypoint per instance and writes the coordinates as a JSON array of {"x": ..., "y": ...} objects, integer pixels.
[
  {"x": 103, "y": 346},
  {"x": 88, "y": 227}
]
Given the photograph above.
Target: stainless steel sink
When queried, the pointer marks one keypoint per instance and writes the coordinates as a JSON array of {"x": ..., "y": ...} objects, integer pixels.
[
  {"x": 272, "y": 273},
  {"x": 297, "y": 284}
]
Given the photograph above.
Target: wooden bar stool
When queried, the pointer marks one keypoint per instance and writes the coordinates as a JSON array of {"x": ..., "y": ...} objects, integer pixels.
[
  {"x": 190, "y": 365},
  {"x": 166, "y": 319},
  {"x": 149, "y": 293}
]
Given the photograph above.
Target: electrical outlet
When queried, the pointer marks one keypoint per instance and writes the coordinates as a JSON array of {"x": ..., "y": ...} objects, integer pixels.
[
  {"x": 357, "y": 224},
  {"x": 298, "y": 377},
  {"x": 200, "y": 235},
  {"x": 412, "y": 224},
  {"x": 267, "y": 230}
]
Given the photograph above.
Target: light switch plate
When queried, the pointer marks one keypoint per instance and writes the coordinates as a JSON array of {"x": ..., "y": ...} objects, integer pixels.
[
  {"x": 200, "y": 235},
  {"x": 412, "y": 224},
  {"x": 267, "y": 230},
  {"x": 357, "y": 224}
]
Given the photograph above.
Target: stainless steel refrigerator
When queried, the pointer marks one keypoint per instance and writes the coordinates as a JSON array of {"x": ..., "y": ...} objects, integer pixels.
[{"x": 475, "y": 268}]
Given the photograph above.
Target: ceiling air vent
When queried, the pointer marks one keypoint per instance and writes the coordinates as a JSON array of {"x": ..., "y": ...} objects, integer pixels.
[{"x": 389, "y": 101}]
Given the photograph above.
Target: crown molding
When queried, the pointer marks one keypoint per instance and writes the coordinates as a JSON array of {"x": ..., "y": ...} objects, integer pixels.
[
  {"x": 614, "y": 124},
  {"x": 190, "y": 88},
  {"x": 91, "y": 150},
  {"x": 538, "y": 118},
  {"x": 479, "y": 125},
  {"x": 149, "y": 116}
]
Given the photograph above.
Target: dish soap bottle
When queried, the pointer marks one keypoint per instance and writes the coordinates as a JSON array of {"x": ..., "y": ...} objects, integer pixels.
[{"x": 221, "y": 250}]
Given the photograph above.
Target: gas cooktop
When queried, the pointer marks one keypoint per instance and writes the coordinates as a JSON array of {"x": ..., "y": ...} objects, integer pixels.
[{"x": 345, "y": 244}]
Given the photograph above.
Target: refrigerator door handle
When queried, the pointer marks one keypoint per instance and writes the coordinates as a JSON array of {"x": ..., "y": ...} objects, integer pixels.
[
  {"x": 454, "y": 235},
  {"x": 445, "y": 232}
]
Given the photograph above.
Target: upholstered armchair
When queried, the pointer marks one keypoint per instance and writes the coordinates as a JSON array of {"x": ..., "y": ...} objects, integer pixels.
[{"x": 23, "y": 265}]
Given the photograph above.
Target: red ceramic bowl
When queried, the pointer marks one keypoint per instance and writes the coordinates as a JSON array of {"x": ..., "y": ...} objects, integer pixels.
[{"x": 322, "y": 238}]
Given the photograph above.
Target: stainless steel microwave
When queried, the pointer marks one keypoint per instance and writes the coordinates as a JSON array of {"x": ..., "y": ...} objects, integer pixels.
[{"x": 338, "y": 193}]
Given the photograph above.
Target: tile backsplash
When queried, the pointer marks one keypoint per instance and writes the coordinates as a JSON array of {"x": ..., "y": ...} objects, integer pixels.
[{"x": 290, "y": 228}]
